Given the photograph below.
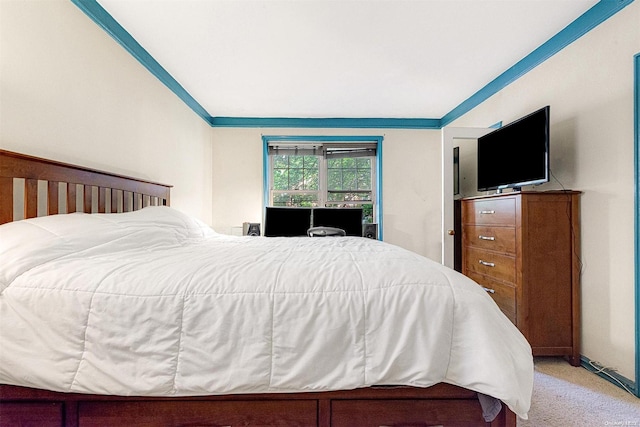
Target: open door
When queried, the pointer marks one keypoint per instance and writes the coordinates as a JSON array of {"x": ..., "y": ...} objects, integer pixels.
[{"x": 450, "y": 139}]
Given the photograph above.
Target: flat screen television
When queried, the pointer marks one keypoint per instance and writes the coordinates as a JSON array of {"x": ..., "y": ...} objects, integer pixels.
[{"x": 516, "y": 154}]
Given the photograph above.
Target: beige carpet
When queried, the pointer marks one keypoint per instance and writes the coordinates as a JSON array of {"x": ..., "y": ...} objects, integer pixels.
[{"x": 564, "y": 395}]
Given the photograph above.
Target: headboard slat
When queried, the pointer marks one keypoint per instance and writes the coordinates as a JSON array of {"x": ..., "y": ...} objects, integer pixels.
[
  {"x": 30, "y": 198},
  {"x": 114, "y": 201},
  {"x": 72, "y": 198},
  {"x": 88, "y": 195},
  {"x": 53, "y": 189},
  {"x": 6, "y": 194},
  {"x": 101, "y": 199}
]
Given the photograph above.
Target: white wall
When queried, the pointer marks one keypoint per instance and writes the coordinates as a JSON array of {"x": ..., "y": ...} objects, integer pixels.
[
  {"x": 69, "y": 92},
  {"x": 589, "y": 86},
  {"x": 411, "y": 190}
]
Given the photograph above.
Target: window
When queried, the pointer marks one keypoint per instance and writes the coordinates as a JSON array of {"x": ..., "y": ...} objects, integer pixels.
[
  {"x": 295, "y": 178},
  {"x": 330, "y": 173}
]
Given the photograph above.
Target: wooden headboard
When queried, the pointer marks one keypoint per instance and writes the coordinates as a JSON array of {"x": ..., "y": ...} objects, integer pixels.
[{"x": 58, "y": 187}]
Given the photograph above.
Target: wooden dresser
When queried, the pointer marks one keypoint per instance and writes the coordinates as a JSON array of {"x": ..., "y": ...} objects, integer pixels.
[{"x": 524, "y": 250}]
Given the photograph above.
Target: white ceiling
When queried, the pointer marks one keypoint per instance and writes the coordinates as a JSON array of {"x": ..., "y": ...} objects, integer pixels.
[{"x": 339, "y": 58}]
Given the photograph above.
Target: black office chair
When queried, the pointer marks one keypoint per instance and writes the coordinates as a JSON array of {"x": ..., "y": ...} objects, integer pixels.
[{"x": 325, "y": 231}]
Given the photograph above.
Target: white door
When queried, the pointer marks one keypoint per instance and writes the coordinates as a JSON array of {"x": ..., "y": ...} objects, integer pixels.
[{"x": 449, "y": 137}]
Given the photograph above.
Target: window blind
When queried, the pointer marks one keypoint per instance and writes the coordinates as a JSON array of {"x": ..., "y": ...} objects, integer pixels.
[{"x": 329, "y": 150}]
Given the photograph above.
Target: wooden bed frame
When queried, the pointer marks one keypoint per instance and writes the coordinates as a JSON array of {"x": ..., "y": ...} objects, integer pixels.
[
  {"x": 83, "y": 189},
  {"x": 46, "y": 186}
]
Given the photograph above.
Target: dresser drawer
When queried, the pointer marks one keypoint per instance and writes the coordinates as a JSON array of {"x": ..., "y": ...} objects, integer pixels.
[
  {"x": 502, "y": 267},
  {"x": 32, "y": 414},
  {"x": 409, "y": 412},
  {"x": 490, "y": 211},
  {"x": 502, "y": 293},
  {"x": 499, "y": 239},
  {"x": 301, "y": 413}
]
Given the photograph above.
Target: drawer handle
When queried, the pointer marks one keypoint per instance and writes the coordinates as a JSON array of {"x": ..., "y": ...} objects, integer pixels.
[
  {"x": 487, "y": 212},
  {"x": 491, "y": 291},
  {"x": 481, "y": 237},
  {"x": 487, "y": 264}
]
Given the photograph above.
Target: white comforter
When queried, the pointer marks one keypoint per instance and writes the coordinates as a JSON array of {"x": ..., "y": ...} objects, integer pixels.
[{"x": 155, "y": 303}]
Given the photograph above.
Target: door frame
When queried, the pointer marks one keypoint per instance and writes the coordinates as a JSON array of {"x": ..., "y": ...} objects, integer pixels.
[
  {"x": 636, "y": 182},
  {"x": 448, "y": 136}
]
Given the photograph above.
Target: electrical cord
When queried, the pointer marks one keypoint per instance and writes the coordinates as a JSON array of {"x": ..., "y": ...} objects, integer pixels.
[
  {"x": 603, "y": 370},
  {"x": 573, "y": 231}
]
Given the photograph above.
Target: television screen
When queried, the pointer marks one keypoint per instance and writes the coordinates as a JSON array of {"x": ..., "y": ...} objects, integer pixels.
[
  {"x": 516, "y": 154},
  {"x": 286, "y": 222},
  {"x": 348, "y": 219}
]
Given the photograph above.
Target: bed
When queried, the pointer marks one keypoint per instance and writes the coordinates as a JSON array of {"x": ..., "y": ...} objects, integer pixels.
[{"x": 129, "y": 312}]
